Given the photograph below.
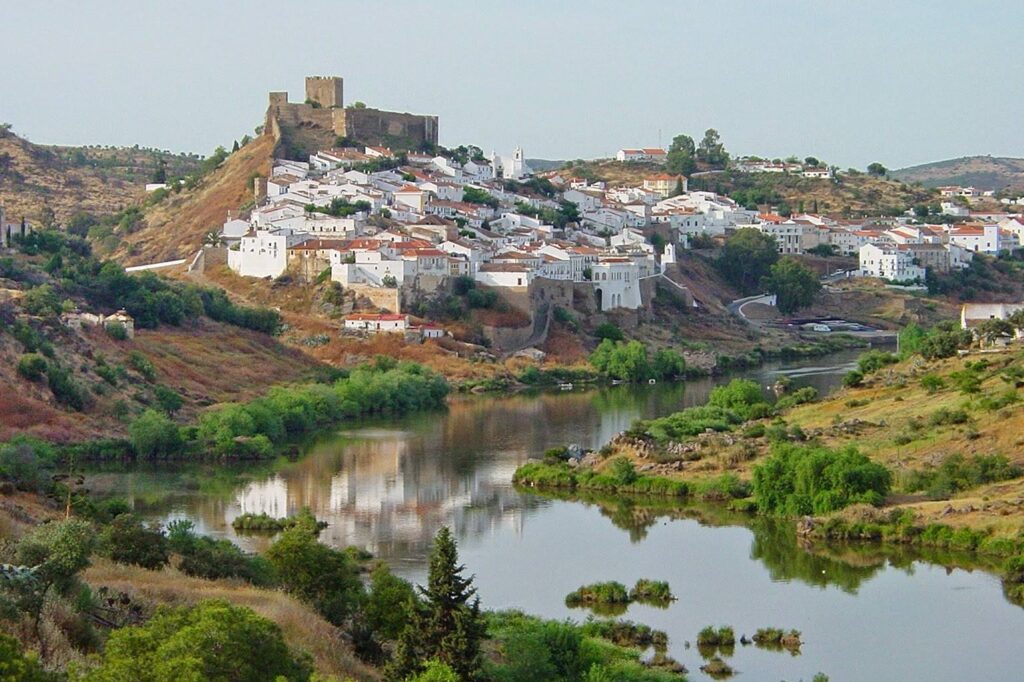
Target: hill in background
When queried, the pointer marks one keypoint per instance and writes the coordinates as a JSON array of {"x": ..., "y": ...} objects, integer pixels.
[
  {"x": 44, "y": 182},
  {"x": 983, "y": 172}
]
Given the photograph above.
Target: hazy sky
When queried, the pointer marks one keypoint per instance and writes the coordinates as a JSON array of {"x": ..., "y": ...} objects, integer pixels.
[{"x": 850, "y": 82}]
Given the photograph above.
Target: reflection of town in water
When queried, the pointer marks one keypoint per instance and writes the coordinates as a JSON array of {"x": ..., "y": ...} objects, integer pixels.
[{"x": 388, "y": 487}]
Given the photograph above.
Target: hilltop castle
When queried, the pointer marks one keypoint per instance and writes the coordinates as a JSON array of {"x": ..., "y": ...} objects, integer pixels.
[{"x": 317, "y": 123}]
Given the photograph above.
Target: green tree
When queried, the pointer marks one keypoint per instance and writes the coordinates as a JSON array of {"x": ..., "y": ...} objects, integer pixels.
[
  {"x": 877, "y": 169},
  {"x": 49, "y": 558},
  {"x": 386, "y": 609},
  {"x": 711, "y": 150},
  {"x": 668, "y": 364},
  {"x": 213, "y": 640},
  {"x": 680, "y": 158},
  {"x": 446, "y": 625},
  {"x": 323, "y": 577},
  {"x": 794, "y": 284},
  {"x": 621, "y": 360},
  {"x": 154, "y": 435},
  {"x": 747, "y": 258}
]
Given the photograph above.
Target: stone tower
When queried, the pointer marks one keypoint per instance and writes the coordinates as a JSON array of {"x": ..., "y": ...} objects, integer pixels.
[{"x": 327, "y": 91}]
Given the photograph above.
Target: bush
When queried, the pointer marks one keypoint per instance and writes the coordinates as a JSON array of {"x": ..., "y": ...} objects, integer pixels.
[
  {"x": 32, "y": 366},
  {"x": 325, "y": 578},
  {"x": 853, "y": 378},
  {"x": 945, "y": 416},
  {"x": 213, "y": 640},
  {"x": 872, "y": 361},
  {"x": 153, "y": 435},
  {"x": 957, "y": 473},
  {"x": 621, "y": 360},
  {"x": 808, "y": 479},
  {"x": 205, "y": 557},
  {"x": 170, "y": 401},
  {"x": 127, "y": 541},
  {"x": 65, "y": 389},
  {"x": 117, "y": 331},
  {"x": 609, "y": 331},
  {"x": 141, "y": 364},
  {"x": 932, "y": 383},
  {"x": 651, "y": 591},
  {"x": 598, "y": 593}
]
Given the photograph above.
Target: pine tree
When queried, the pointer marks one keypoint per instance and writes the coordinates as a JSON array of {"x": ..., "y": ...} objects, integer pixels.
[{"x": 446, "y": 624}]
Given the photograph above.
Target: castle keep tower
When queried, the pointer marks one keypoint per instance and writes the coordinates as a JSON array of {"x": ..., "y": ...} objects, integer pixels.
[{"x": 327, "y": 91}]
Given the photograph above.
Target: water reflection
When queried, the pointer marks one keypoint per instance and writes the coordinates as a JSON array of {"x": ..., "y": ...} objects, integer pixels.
[{"x": 388, "y": 487}]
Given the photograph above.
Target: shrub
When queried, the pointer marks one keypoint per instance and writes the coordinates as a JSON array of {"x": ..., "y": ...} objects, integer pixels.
[
  {"x": 127, "y": 541},
  {"x": 213, "y": 640},
  {"x": 205, "y": 557},
  {"x": 872, "y": 361},
  {"x": 153, "y": 435},
  {"x": 32, "y": 366},
  {"x": 621, "y": 360},
  {"x": 944, "y": 416},
  {"x": 609, "y": 331},
  {"x": 65, "y": 389},
  {"x": 810, "y": 479},
  {"x": 598, "y": 593},
  {"x": 117, "y": 331},
  {"x": 932, "y": 383},
  {"x": 170, "y": 401},
  {"x": 957, "y": 473},
  {"x": 141, "y": 364},
  {"x": 853, "y": 378},
  {"x": 710, "y": 637},
  {"x": 325, "y": 578},
  {"x": 651, "y": 591},
  {"x": 622, "y": 470}
]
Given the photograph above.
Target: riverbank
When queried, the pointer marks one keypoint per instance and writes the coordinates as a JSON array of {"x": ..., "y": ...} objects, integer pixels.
[{"x": 944, "y": 433}]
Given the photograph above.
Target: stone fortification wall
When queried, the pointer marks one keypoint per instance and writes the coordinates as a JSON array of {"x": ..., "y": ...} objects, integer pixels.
[{"x": 388, "y": 128}]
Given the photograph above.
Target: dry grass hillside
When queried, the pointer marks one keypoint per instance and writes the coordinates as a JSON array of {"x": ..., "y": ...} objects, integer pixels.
[
  {"x": 205, "y": 364},
  {"x": 850, "y": 194},
  {"x": 302, "y": 627},
  {"x": 34, "y": 178},
  {"x": 983, "y": 172},
  {"x": 175, "y": 227}
]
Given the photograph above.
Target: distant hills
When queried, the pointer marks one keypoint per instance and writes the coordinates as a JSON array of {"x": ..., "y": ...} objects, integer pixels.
[
  {"x": 983, "y": 172},
  {"x": 542, "y": 165}
]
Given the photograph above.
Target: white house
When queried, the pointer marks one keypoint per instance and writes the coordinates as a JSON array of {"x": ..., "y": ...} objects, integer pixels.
[
  {"x": 263, "y": 253},
  {"x": 889, "y": 262},
  {"x": 377, "y": 322},
  {"x": 512, "y": 275},
  {"x": 617, "y": 283},
  {"x": 972, "y": 314},
  {"x": 984, "y": 239},
  {"x": 649, "y": 154}
]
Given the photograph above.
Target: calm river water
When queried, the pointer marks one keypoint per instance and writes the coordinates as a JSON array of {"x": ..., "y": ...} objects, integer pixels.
[{"x": 388, "y": 487}]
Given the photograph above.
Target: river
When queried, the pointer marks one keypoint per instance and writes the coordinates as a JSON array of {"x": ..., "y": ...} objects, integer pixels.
[{"x": 388, "y": 487}]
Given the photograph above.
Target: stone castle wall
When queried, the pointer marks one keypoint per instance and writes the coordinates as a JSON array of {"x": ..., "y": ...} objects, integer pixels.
[{"x": 389, "y": 128}]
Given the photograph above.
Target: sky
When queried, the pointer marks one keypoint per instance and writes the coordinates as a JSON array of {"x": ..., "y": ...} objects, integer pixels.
[{"x": 898, "y": 82}]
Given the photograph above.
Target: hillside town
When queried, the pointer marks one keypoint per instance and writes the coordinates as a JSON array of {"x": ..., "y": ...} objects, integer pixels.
[{"x": 392, "y": 225}]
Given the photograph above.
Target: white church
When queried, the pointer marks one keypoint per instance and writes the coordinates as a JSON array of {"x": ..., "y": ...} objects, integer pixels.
[{"x": 510, "y": 167}]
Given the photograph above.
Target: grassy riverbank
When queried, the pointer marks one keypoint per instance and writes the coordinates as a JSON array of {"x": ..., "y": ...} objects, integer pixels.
[{"x": 932, "y": 446}]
